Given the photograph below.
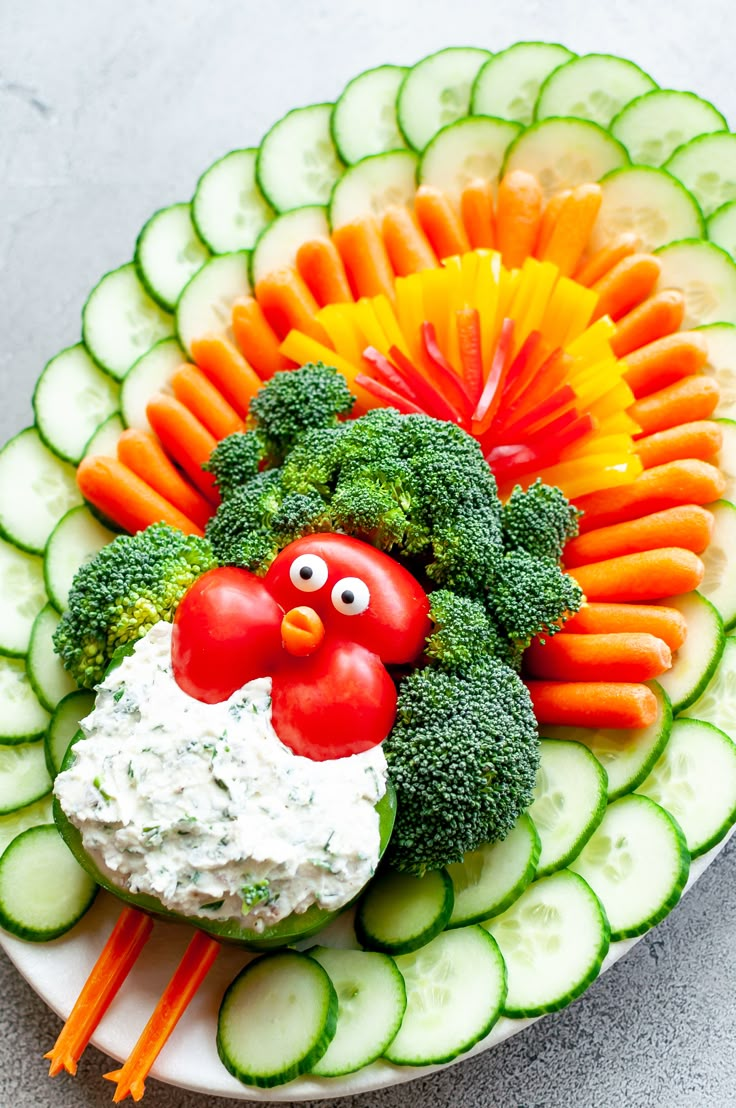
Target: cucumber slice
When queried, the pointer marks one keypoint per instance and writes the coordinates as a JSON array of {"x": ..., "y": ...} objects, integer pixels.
[
  {"x": 150, "y": 374},
  {"x": 71, "y": 399},
  {"x": 694, "y": 664},
  {"x": 399, "y": 913},
  {"x": 594, "y": 87},
  {"x": 120, "y": 321},
  {"x": 436, "y": 91},
  {"x": 717, "y": 704},
  {"x": 36, "y": 490},
  {"x": 297, "y": 163},
  {"x": 43, "y": 889},
  {"x": 726, "y": 459},
  {"x": 32, "y": 815},
  {"x": 24, "y": 777},
  {"x": 718, "y": 584},
  {"x": 105, "y": 439},
  {"x": 23, "y": 719},
  {"x": 553, "y": 941},
  {"x": 206, "y": 305},
  {"x": 508, "y": 84},
  {"x": 373, "y": 184},
  {"x": 64, "y": 726},
  {"x": 278, "y": 243},
  {"x": 371, "y": 998},
  {"x": 490, "y": 879},
  {"x": 229, "y": 210},
  {"x": 49, "y": 680},
  {"x": 168, "y": 253},
  {"x": 721, "y": 340},
  {"x": 21, "y": 597},
  {"x": 707, "y": 166},
  {"x": 707, "y": 277},
  {"x": 76, "y": 539},
  {"x": 473, "y": 147},
  {"x": 652, "y": 126},
  {"x": 288, "y": 991},
  {"x": 569, "y": 801},
  {"x": 364, "y": 117},
  {"x": 650, "y": 202},
  {"x": 455, "y": 987},
  {"x": 562, "y": 153},
  {"x": 637, "y": 863},
  {"x": 626, "y": 756},
  {"x": 722, "y": 227},
  {"x": 695, "y": 781}
]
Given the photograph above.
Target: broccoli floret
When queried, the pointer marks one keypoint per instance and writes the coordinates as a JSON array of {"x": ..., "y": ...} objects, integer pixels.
[
  {"x": 241, "y": 531},
  {"x": 295, "y": 401},
  {"x": 254, "y": 893},
  {"x": 464, "y": 634},
  {"x": 532, "y": 596},
  {"x": 116, "y": 598},
  {"x": 540, "y": 520},
  {"x": 463, "y": 757},
  {"x": 235, "y": 460}
]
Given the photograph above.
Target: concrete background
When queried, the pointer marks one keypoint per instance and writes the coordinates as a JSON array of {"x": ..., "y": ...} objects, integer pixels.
[{"x": 110, "y": 110}]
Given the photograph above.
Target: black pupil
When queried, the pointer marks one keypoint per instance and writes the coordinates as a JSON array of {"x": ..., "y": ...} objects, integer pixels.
[
  {"x": 306, "y": 572},
  {"x": 347, "y": 596}
]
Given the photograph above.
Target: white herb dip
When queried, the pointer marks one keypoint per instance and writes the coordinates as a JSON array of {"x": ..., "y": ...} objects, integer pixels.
[{"x": 195, "y": 803}]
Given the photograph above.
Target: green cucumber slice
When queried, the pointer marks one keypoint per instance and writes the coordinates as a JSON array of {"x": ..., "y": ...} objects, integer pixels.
[
  {"x": 594, "y": 87},
  {"x": 726, "y": 460},
  {"x": 120, "y": 321},
  {"x": 22, "y": 596},
  {"x": 652, "y": 126},
  {"x": 508, "y": 84},
  {"x": 490, "y": 879},
  {"x": 637, "y": 864},
  {"x": 707, "y": 166},
  {"x": 553, "y": 941},
  {"x": 150, "y": 374},
  {"x": 717, "y": 704},
  {"x": 436, "y": 91},
  {"x": 279, "y": 242},
  {"x": 49, "y": 680},
  {"x": 722, "y": 227},
  {"x": 73, "y": 396},
  {"x": 297, "y": 163},
  {"x": 288, "y": 991},
  {"x": 43, "y": 889},
  {"x": 721, "y": 340},
  {"x": 64, "y": 726},
  {"x": 24, "y": 777},
  {"x": 75, "y": 540},
  {"x": 364, "y": 117},
  {"x": 36, "y": 490},
  {"x": 399, "y": 913},
  {"x": 695, "y": 781},
  {"x": 707, "y": 277},
  {"x": 694, "y": 664},
  {"x": 371, "y": 998},
  {"x": 23, "y": 718},
  {"x": 168, "y": 253},
  {"x": 718, "y": 585},
  {"x": 650, "y": 202},
  {"x": 460, "y": 152},
  {"x": 373, "y": 184},
  {"x": 455, "y": 987},
  {"x": 105, "y": 439},
  {"x": 32, "y": 815},
  {"x": 569, "y": 801},
  {"x": 206, "y": 304},
  {"x": 229, "y": 210},
  {"x": 563, "y": 153}
]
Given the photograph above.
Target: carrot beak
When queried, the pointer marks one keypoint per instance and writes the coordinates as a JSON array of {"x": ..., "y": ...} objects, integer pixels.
[{"x": 302, "y": 631}]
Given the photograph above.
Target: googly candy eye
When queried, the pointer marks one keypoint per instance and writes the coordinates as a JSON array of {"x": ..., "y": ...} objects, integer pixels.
[
  {"x": 350, "y": 596},
  {"x": 308, "y": 572}
]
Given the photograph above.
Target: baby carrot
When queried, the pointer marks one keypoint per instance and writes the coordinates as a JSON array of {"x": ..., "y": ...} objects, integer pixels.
[
  {"x": 701, "y": 439},
  {"x": 185, "y": 440},
  {"x": 364, "y": 256},
  {"x": 602, "y": 619},
  {"x": 572, "y": 229},
  {"x": 440, "y": 222},
  {"x": 664, "y": 361},
  {"x": 228, "y": 371},
  {"x": 626, "y": 285},
  {"x": 688, "y": 481},
  {"x": 658, "y": 315},
  {"x": 205, "y": 401},
  {"x": 288, "y": 304},
  {"x": 648, "y": 575},
  {"x": 142, "y": 452},
  {"x": 594, "y": 704},
  {"x": 476, "y": 208},
  {"x": 550, "y": 215},
  {"x": 631, "y": 656},
  {"x": 686, "y": 525},
  {"x": 321, "y": 268},
  {"x": 518, "y": 216},
  {"x": 693, "y": 398},
  {"x": 125, "y": 498},
  {"x": 256, "y": 339},
  {"x": 406, "y": 244},
  {"x": 600, "y": 263}
]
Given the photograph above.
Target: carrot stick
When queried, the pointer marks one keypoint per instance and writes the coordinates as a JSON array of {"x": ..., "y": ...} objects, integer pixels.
[
  {"x": 228, "y": 371},
  {"x": 205, "y": 401},
  {"x": 648, "y": 575},
  {"x": 118, "y": 956},
  {"x": 476, "y": 209},
  {"x": 659, "y": 315},
  {"x": 406, "y": 244},
  {"x": 602, "y": 619},
  {"x": 572, "y": 228},
  {"x": 142, "y": 452},
  {"x": 693, "y": 398},
  {"x": 701, "y": 439},
  {"x": 188, "y": 976},
  {"x": 256, "y": 338},
  {"x": 665, "y": 361},
  {"x": 288, "y": 304},
  {"x": 683, "y": 482},
  {"x": 518, "y": 216},
  {"x": 185, "y": 440},
  {"x": 320, "y": 267},
  {"x": 600, "y": 263},
  {"x": 440, "y": 222},
  {"x": 125, "y": 498},
  {"x": 632, "y": 656},
  {"x": 688, "y": 526},
  {"x": 550, "y": 215},
  {"x": 626, "y": 285},
  {"x": 364, "y": 256},
  {"x": 594, "y": 704}
]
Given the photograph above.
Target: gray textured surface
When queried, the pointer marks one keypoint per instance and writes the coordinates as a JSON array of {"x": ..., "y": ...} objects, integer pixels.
[{"x": 109, "y": 110}]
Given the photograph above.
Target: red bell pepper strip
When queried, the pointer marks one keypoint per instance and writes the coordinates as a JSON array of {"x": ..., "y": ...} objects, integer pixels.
[
  {"x": 469, "y": 343},
  {"x": 387, "y": 372},
  {"x": 491, "y": 396},
  {"x": 522, "y": 370},
  {"x": 434, "y": 403},
  {"x": 449, "y": 375},
  {"x": 385, "y": 392},
  {"x": 512, "y": 461},
  {"x": 543, "y": 413}
]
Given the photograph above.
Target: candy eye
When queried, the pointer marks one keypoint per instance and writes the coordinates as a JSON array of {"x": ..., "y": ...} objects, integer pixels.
[
  {"x": 308, "y": 572},
  {"x": 350, "y": 596}
]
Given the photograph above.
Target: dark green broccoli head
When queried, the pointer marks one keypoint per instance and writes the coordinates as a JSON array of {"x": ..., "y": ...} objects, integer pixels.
[
  {"x": 235, "y": 460},
  {"x": 241, "y": 530},
  {"x": 295, "y": 401},
  {"x": 464, "y": 634},
  {"x": 532, "y": 596},
  {"x": 134, "y": 582},
  {"x": 539, "y": 520}
]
